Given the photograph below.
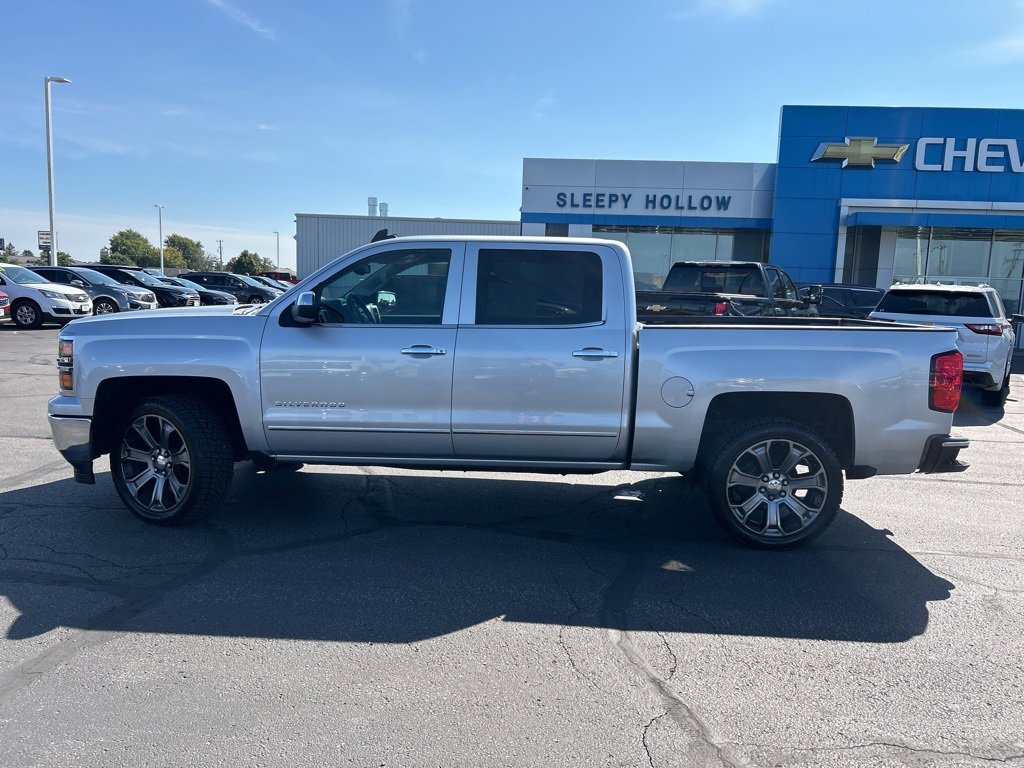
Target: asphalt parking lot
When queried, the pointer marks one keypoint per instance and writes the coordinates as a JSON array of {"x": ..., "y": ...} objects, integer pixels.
[{"x": 389, "y": 618}]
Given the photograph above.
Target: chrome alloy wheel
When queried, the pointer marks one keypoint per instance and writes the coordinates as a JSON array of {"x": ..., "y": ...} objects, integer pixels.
[
  {"x": 26, "y": 315},
  {"x": 776, "y": 488},
  {"x": 155, "y": 464}
]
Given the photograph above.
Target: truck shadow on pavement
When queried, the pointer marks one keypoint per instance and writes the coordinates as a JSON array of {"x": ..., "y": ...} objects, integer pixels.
[
  {"x": 974, "y": 412},
  {"x": 378, "y": 556}
]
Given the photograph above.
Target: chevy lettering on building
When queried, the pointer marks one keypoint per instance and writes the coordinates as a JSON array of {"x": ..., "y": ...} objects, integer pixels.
[
  {"x": 651, "y": 202},
  {"x": 985, "y": 155}
]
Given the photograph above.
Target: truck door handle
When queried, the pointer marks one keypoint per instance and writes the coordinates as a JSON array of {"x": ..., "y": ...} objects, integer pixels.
[
  {"x": 423, "y": 349},
  {"x": 595, "y": 352}
]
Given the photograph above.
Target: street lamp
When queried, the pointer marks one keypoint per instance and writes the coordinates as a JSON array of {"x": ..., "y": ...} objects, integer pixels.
[
  {"x": 49, "y": 161},
  {"x": 160, "y": 217},
  {"x": 278, "y": 235}
]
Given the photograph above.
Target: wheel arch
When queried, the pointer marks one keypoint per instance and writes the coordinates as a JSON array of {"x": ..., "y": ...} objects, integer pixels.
[
  {"x": 830, "y": 415},
  {"x": 117, "y": 395}
]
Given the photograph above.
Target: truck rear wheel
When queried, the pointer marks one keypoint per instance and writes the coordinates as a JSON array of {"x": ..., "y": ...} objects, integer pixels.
[
  {"x": 775, "y": 484},
  {"x": 171, "y": 460}
]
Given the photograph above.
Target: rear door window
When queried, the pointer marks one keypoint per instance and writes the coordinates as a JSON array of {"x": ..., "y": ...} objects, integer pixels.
[
  {"x": 530, "y": 287},
  {"x": 949, "y": 303}
]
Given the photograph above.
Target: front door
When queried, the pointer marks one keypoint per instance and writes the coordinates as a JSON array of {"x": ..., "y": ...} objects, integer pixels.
[{"x": 371, "y": 378}]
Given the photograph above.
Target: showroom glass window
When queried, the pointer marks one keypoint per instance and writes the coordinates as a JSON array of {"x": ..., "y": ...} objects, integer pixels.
[{"x": 655, "y": 249}]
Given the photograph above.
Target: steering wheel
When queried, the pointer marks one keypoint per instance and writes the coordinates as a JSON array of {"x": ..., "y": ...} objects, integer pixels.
[
  {"x": 329, "y": 314},
  {"x": 360, "y": 309}
]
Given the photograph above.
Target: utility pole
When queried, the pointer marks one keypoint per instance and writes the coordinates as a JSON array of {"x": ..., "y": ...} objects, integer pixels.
[
  {"x": 220, "y": 252},
  {"x": 49, "y": 163},
  {"x": 278, "y": 236},
  {"x": 160, "y": 214}
]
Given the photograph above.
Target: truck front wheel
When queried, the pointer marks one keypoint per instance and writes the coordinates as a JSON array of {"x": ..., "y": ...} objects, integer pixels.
[
  {"x": 171, "y": 460},
  {"x": 774, "y": 485}
]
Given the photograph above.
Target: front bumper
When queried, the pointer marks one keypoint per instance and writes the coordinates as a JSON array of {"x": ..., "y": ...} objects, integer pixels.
[
  {"x": 940, "y": 454},
  {"x": 72, "y": 437},
  {"x": 60, "y": 311}
]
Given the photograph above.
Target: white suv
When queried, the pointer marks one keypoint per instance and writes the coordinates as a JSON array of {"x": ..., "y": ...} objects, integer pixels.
[
  {"x": 985, "y": 333},
  {"x": 35, "y": 300}
]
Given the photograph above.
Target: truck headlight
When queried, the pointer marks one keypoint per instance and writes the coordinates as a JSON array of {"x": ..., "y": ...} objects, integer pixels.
[{"x": 66, "y": 364}]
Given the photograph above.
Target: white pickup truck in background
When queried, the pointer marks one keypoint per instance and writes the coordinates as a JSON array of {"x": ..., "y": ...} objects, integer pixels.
[{"x": 519, "y": 354}]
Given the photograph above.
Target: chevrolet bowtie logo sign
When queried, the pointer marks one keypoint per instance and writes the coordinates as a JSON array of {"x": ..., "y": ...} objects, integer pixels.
[{"x": 860, "y": 152}]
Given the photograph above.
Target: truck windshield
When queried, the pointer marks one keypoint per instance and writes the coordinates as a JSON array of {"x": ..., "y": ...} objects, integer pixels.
[
  {"x": 697, "y": 279},
  {"x": 950, "y": 303}
]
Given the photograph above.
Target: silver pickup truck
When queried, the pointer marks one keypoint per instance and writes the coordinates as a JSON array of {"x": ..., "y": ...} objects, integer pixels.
[{"x": 519, "y": 354}]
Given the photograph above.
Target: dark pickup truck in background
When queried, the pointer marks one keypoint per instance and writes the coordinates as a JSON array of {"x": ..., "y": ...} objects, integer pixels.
[{"x": 708, "y": 288}]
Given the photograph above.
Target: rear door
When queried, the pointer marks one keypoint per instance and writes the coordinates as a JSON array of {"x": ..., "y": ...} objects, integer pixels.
[{"x": 541, "y": 357}]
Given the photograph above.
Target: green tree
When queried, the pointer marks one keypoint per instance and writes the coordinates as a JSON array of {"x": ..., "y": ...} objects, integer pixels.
[
  {"x": 249, "y": 263},
  {"x": 173, "y": 259},
  {"x": 131, "y": 247},
  {"x": 63, "y": 259},
  {"x": 28, "y": 255},
  {"x": 191, "y": 251},
  {"x": 9, "y": 253}
]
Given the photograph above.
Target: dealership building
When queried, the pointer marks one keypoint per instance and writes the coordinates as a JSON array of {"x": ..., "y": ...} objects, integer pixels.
[
  {"x": 865, "y": 195},
  {"x": 862, "y": 195}
]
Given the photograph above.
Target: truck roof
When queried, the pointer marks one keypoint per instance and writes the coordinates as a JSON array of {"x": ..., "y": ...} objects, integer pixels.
[{"x": 941, "y": 287}]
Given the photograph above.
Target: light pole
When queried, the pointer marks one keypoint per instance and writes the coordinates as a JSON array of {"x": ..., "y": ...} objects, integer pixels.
[
  {"x": 220, "y": 251},
  {"x": 49, "y": 161},
  {"x": 160, "y": 217},
  {"x": 278, "y": 235}
]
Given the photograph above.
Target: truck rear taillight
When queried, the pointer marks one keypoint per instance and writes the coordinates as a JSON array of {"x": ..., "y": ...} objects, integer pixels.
[
  {"x": 721, "y": 308},
  {"x": 947, "y": 377},
  {"x": 986, "y": 329}
]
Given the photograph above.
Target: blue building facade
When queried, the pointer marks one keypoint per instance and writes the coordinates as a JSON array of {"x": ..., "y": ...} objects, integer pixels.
[{"x": 861, "y": 195}]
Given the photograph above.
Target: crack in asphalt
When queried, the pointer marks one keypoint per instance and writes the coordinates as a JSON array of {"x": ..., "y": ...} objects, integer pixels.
[
  {"x": 643, "y": 736},
  {"x": 614, "y": 612},
  {"x": 887, "y": 745}
]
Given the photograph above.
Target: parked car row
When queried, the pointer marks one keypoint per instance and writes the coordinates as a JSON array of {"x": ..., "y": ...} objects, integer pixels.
[
  {"x": 35, "y": 300},
  {"x": 45, "y": 294}
]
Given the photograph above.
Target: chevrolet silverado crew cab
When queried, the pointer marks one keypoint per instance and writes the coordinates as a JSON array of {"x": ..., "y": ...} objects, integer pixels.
[{"x": 519, "y": 354}]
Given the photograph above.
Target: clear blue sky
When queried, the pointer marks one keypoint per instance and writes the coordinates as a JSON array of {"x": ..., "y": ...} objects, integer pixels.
[{"x": 236, "y": 114}]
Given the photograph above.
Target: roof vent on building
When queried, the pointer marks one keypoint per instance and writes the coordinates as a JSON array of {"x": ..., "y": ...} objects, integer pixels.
[
  {"x": 383, "y": 209},
  {"x": 371, "y": 203}
]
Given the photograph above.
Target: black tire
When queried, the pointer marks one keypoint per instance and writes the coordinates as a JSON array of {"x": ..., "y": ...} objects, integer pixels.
[
  {"x": 104, "y": 307},
  {"x": 27, "y": 315},
  {"x": 254, "y": 299},
  {"x": 786, "y": 453},
  {"x": 189, "y": 464},
  {"x": 997, "y": 397}
]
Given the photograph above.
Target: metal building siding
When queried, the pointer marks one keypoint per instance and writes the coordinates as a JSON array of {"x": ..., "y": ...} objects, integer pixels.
[{"x": 319, "y": 239}]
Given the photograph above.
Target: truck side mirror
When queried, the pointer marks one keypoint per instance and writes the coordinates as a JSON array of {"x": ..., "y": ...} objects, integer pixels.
[
  {"x": 305, "y": 310},
  {"x": 814, "y": 294},
  {"x": 386, "y": 301},
  {"x": 1017, "y": 318}
]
